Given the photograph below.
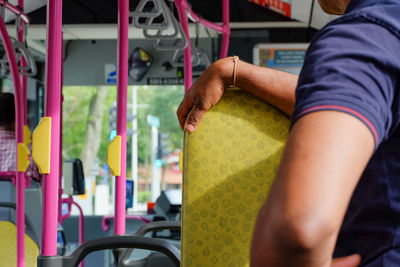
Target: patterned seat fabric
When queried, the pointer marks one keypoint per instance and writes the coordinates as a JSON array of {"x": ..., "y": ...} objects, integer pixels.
[
  {"x": 8, "y": 250},
  {"x": 229, "y": 165}
]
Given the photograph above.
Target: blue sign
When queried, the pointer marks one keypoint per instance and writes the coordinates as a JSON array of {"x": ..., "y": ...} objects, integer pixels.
[
  {"x": 287, "y": 58},
  {"x": 153, "y": 121},
  {"x": 283, "y": 57},
  {"x": 111, "y": 73}
]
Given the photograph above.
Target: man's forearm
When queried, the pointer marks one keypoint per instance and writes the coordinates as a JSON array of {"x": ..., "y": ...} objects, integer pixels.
[{"x": 274, "y": 87}]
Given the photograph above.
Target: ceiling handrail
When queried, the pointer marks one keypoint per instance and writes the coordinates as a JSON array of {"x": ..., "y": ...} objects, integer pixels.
[
  {"x": 175, "y": 61},
  {"x": 21, "y": 51},
  {"x": 161, "y": 34},
  {"x": 155, "y": 12},
  {"x": 148, "y": 23}
]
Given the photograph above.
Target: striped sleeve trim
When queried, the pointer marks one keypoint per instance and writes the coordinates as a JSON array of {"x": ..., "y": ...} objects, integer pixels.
[{"x": 346, "y": 110}]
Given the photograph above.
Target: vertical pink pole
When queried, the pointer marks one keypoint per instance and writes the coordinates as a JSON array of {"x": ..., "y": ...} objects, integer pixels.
[
  {"x": 122, "y": 98},
  {"x": 182, "y": 6},
  {"x": 81, "y": 231},
  {"x": 81, "y": 227},
  {"x": 52, "y": 109},
  {"x": 21, "y": 177},
  {"x": 81, "y": 222},
  {"x": 60, "y": 190},
  {"x": 19, "y": 132},
  {"x": 21, "y": 38},
  {"x": 227, "y": 30},
  {"x": 20, "y": 202}
]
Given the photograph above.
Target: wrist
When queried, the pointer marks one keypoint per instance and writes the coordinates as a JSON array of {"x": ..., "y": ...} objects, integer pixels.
[{"x": 225, "y": 69}]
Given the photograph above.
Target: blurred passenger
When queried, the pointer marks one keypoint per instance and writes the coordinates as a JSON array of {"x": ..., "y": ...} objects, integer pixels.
[{"x": 7, "y": 138}]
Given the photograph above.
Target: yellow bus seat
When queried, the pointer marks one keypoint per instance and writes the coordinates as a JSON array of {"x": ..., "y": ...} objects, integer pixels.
[
  {"x": 229, "y": 164},
  {"x": 8, "y": 250}
]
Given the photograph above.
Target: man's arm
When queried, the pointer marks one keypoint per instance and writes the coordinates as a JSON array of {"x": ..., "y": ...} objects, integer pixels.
[
  {"x": 324, "y": 158},
  {"x": 274, "y": 87}
]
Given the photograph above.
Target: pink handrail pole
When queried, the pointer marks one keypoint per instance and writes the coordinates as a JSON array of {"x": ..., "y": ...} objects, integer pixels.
[
  {"x": 20, "y": 176},
  {"x": 122, "y": 98},
  {"x": 182, "y": 6},
  {"x": 20, "y": 202},
  {"x": 52, "y": 109},
  {"x": 60, "y": 190},
  {"x": 71, "y": 201},
  {"x": 81, "y": 223},
  {"x": 24, "y": 83},
  {"x": 224, "y": 28},
  {"x": 68, "y": 201},
  {"x": 81, "y": 228},
  {"x": 21, "y": 38},
  {"x": 227, "y": 29}
]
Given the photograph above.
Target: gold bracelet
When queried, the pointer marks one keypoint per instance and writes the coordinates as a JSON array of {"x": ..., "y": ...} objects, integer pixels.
[{"x": 235, "y": 60}]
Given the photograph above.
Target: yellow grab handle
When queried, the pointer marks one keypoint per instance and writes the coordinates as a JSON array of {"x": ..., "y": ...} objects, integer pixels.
[
  {"x": 41, "y": 140},
  {"x": 114, "y": 156},
  {"x": 23, "y": 157},
  {"x": 27, "y": 135}
]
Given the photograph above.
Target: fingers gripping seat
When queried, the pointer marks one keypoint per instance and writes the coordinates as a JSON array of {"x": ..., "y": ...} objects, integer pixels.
[
  {"x": 229, "y": 165},
  {"x": 8, "y": 251}
]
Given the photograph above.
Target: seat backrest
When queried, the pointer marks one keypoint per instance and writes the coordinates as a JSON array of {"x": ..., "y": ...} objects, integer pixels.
[
  {"x": 33, "y": 207},
  {"x": 7, "y": 194},
  {"x": 229, "y": 165},
  {"x": 8, "y": 248}
]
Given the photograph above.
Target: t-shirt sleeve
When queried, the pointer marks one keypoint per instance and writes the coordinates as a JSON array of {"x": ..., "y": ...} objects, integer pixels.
[{"x": 350, "y": 68}]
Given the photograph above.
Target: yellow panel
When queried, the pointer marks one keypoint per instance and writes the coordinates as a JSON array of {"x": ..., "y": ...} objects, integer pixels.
[
  {"x": 230, "y": 162},
  {"x": 41, "y": 140},
  {"x": 8, "y": 249},
  {"x": 27, "y": 135},
  {"x": 114, "y": 156},
  {"x": 23, "y": 157}
]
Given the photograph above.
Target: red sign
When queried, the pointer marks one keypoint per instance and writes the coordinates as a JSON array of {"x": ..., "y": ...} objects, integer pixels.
[{"x": 280, "y": 6}]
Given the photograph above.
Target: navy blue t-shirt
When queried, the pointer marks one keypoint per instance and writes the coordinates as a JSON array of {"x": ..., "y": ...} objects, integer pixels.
[{"x": 353, "y": 66}]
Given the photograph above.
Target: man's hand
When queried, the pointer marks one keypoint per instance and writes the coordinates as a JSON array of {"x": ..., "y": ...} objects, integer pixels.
[
  {"x": 274, "y": 87},
  {"x": 349, "y": 261},
  {"x": 205, "y": 93}
]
